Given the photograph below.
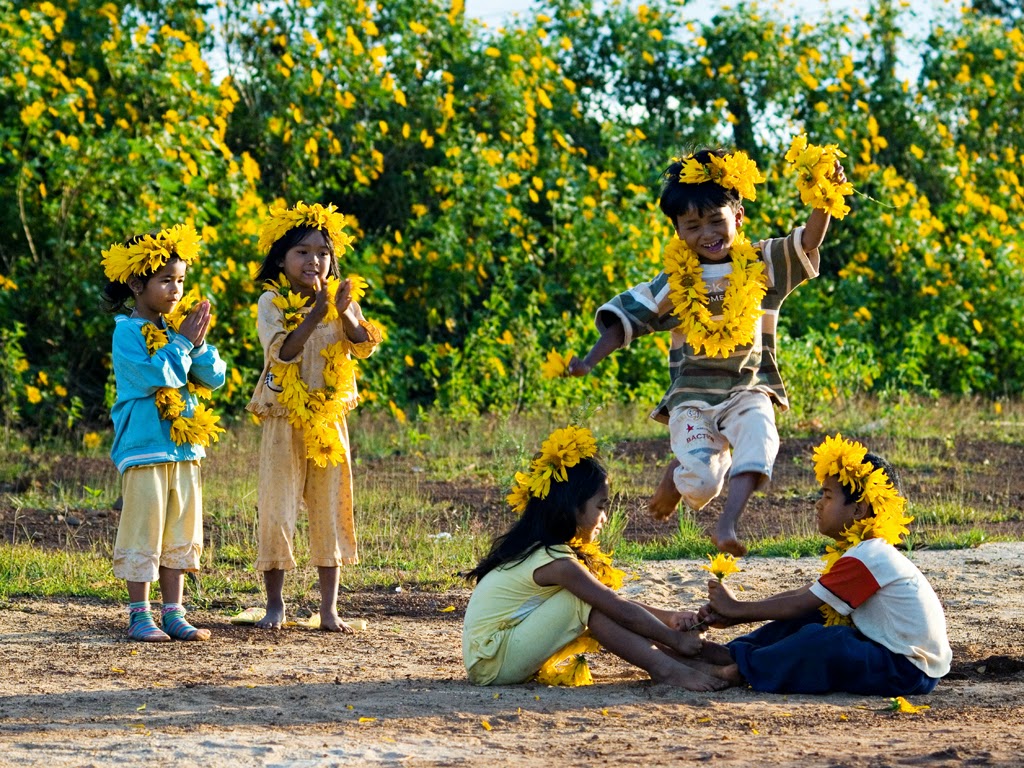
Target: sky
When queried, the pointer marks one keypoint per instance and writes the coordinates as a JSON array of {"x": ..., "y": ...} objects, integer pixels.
[{"x": 493, "y": 12}]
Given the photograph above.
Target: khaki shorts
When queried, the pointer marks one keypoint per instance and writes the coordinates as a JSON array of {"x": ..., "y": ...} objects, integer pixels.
[
  {"x": 161, "y": 520},
  {"x": 715, "y": 442}
]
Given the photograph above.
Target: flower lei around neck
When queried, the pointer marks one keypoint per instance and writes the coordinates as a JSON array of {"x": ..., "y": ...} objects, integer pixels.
[
  {"x": 844, "y": 459},
  {"x": 741, "y": 306},
  {"x": 317, "y": 411},
  {"x": 202, "y": 427},
  {"x": 563, "y": 449}
]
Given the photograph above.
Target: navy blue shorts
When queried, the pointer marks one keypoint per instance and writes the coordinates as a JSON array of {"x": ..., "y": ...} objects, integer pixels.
[{"x": 804, "y": 656}]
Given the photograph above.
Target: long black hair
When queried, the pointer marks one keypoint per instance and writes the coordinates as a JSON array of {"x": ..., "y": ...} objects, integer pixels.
[
  {"x": 545, "y": 522},
  {"x": 273, "y": 264}
]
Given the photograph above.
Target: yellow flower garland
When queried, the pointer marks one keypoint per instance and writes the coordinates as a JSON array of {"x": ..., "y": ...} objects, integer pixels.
[
  {"x": 741, "y": 307},
  {"x": 814, "y": 166},
  {"x": 325, "y": 218},
  {"x": 202, "y": 427},
  {"x": 317, "y": 411},
  {"x": 733, "y": 171},
  {"x": 844, "y": 459},
  {"x": 150, "y": 252},
  {"x": 564, "y": 448}
]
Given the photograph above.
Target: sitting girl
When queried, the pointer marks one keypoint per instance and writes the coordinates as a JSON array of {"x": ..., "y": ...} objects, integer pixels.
[
  {"x": 871, "y": 624},
  {"x": 536, "y": 594}
]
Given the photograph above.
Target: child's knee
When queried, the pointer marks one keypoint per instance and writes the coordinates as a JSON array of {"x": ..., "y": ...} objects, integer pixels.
[{"x": 696, "y": 488}]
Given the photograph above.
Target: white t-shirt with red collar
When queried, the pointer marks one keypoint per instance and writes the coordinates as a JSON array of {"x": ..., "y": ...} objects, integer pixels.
[{"x": 891, "y": 602}]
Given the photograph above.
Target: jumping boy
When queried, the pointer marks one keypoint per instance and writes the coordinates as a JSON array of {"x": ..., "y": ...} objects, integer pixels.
[{"x": 719, "y": 296}]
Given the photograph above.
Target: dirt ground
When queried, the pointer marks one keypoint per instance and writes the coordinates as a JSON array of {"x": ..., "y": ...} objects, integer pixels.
[{"x": 75, "y": 692}]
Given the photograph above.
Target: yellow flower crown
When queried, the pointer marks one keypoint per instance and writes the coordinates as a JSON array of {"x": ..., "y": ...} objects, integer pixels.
[
  {"x": 844, "y": 459},
  {"x": 733, "y": 171},
  {"x": 150, "y": 252},
  {"x": 326, "y": 219},
  {"x": 564, "y": 448}
]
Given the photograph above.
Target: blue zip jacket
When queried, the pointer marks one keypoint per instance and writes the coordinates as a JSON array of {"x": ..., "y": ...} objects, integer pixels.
[{"x": 140, "y": 435}]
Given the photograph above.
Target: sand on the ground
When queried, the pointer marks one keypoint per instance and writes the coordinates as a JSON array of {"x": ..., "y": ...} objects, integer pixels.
[{"x": 75, "y": 692}]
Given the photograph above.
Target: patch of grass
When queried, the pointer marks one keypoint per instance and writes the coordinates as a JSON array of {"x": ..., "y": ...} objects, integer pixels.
[
  {"x": 408, "y": 539},
  {"x": 28, "y": 570},
  {"x": 961, "y": 540}
]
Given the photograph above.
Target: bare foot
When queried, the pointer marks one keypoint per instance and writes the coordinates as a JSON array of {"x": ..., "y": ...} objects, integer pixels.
[
  {"x": 274, "y": 618},
  {"x": 666, "y": 498},
  {"x": 730, "y": 673},
  {"x": 725, "y": 539},
  {"x": 683, "y": 676},
  {"x": 329, "y": 622},
  {"x": 715, "y": 653}
]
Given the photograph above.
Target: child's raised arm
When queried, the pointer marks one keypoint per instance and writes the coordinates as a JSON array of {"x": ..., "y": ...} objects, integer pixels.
[
  {"x": 785, "y": 605},
  {"x": 818, "y": 221}
]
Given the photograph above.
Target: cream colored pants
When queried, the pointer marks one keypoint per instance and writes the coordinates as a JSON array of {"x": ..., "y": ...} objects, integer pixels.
[{"x": 287, "y": 479}]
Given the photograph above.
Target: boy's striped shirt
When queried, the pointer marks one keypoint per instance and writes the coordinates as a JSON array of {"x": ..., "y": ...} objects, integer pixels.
[{"x": 696, "y": 378}]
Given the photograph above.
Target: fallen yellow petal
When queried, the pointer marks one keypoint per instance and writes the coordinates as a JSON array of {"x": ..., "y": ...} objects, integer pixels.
[
  {"x": 449, "y": 609},
  {"x": 115, "y": 669},
  {"x": 367, "y": 719},
  {"x": 140, "y": 708},
  {"x": 486, "y": 725}
]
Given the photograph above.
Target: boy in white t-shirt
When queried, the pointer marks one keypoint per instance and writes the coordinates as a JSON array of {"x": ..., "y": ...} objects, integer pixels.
[{"x": 870, "y": 624}]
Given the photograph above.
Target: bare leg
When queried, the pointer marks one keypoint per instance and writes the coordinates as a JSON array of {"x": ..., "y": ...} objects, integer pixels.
[
  {"x": 643, "y": 653},
  {"x": 666, "y": 498},
  {"x": 329, "y": 621},
  {"x": 138, "y": 591},
  {"x": 274, "y": 582},
  {"x": 741, "y": 488},
  {"x": 172, "y": 585}
]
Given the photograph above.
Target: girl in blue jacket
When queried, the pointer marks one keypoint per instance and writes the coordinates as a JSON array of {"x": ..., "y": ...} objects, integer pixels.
[{"x": 162, "y": 365}]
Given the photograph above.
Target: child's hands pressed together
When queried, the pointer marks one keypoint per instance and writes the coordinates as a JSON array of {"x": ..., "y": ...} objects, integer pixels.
[{"x": 196, "y": 323}]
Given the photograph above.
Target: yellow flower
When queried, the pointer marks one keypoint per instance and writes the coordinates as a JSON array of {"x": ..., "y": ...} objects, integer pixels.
[
  {"x": 326, "y": 219},
  {"x": 721, "y": 565},
  {"x": 901, "y": 705},
  {"x": 91, "y": 440},
  {"x": 562, "y": 449},
  {"x": 556, "y": 365},
  {"x": 814, "y": 166},
  {"x": 33, "y": 394},
  {"x": 733, "y": 171},
  {"x": 568, "y": 666},
  {"x": 150, "y": 252}
]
